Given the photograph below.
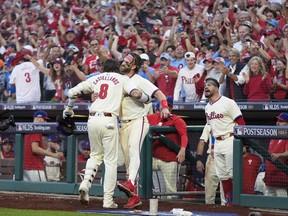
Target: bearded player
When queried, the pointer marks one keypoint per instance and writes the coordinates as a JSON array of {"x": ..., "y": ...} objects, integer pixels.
[
  {"x": 135, "y": 126},
  {"x": 222, "y": 114}
]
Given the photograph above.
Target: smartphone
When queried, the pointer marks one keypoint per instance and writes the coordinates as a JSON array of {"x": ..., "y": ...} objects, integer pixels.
[
  {"x": 180, "y": 29},
  {"x": 196, "y": 76},
  {"x": 248, "y": 43},
  {"x": 162, "y": 65}
]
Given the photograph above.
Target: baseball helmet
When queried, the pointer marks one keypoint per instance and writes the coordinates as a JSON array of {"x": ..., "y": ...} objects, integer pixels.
[{"x": 66, "y": 126}]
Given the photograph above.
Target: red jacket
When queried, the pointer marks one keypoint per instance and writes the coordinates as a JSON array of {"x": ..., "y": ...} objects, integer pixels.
[
  {"x": 33, "y": 161},
  {"x": 159, "y": 149}
]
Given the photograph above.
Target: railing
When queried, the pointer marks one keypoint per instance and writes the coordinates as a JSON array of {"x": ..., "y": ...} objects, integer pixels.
[
  {"x": 247, "y": 133},
  {"x": 71, "y": 185}
]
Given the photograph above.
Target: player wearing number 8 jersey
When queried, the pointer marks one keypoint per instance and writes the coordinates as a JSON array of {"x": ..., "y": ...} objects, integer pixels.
[
  {"x": 25, "y": 76},
  {"x": 222, "y": 114},
  {"x": 102, "y": 125}
]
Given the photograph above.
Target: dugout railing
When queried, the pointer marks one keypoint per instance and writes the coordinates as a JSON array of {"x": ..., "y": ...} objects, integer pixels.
[
  {"x": 247, "y": 135},
  {"x": 70, "y": 186}
]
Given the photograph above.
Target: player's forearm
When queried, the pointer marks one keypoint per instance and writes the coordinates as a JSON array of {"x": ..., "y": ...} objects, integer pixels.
[
  {"x": 140, "y": 96},
  {"x": 200, "y": 147},
  {"x": 159, "y": 95},
  {"x": 80, "y": 89},
  {"x": 284, "y": 155}
]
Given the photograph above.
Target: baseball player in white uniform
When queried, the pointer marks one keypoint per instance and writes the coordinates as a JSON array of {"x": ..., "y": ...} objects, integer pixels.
[
  {"x": 186, "y": 79},
  {"x": 211, "y": 179},
  {"x": 222, "y": 114},
  {"x": 25, "y": 77},
  {"x": 135, "y": 126},
  {"x": 102, "y": 125}
]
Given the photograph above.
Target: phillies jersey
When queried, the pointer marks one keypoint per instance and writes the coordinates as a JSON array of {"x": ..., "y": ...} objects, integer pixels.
[
  {"x": 26, "y": 78},
  {"x": 111, "y": 88},
  {"x": 91, "y": 63},
  {"x": 159, "y": 149},
  {"x": 221, "y": 114},
  {"x": 33, "y": 161},
  {"x": 131, "y": 108},
  {"x": 52, "y": 168},
  {"x": 185, "y": 80}
]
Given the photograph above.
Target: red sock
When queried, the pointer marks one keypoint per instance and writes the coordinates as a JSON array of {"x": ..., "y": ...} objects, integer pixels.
[{"x": 227, "y": 188}]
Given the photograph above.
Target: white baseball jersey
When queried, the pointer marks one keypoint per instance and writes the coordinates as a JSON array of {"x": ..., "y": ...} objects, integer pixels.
[
  {"x": 111, "y": 88},
  {"x": 52, "y": 168},
  {"x": 185, "y": 79},
  {"x": 221, "y": 114},
  {"x": 131, "y": 108},
  {"x": 26, "y": 78}
]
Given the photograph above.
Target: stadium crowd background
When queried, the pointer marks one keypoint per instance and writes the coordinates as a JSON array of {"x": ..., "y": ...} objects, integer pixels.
[
  {"x": 82, "y": 34},
  {"x": 242, "y": 43}
]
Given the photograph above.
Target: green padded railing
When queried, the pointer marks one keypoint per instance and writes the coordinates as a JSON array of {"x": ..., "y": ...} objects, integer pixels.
[{"x": 243, "y": 133}]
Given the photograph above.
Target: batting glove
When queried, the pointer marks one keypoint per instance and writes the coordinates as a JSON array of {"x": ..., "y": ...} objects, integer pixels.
[{"x": 68, "y": 112}]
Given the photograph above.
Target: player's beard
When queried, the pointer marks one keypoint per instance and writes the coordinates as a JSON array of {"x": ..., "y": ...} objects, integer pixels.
[
  {"x": 208, "y": 94},
  {"x": 124, "y": 69}
]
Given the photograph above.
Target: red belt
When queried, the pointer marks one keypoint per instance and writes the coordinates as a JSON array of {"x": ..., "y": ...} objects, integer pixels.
[
  {"x": 100, "y": 114},
  {"x": 224, "y": 136}
]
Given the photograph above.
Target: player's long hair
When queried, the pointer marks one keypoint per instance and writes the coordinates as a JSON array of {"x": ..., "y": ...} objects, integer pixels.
[{"x": 138, "y": 62}]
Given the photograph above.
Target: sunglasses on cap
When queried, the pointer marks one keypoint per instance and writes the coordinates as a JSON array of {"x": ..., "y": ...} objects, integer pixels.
[{"x": 188, "y": 55}]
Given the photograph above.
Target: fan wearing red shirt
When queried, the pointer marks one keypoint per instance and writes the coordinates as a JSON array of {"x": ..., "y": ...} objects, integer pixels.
[
  {"x": 166, "y": 75},
  {"x": 164, "y": 159},
  {"x": 34, "y": 152},
  {"x": 98, "y": 53}
]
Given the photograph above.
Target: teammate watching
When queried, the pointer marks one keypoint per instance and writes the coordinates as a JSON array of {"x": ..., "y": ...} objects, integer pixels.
[
  {"x": 165, "y": 159},
  {"x": 276, "y": 180},
  {"x": 84, "y": 147},
  {"x": 102, "y": 125},
  {"x": 222, "y": 114},
  {"x": 211, "y": 179},
  {"x": 34, "y": 152},
  {"x": 53, "y": 165},
  {"x": 7, "y": 149}
]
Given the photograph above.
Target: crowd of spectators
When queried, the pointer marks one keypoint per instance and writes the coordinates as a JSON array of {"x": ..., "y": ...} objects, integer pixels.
[{"x": 241, "y": 43}]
